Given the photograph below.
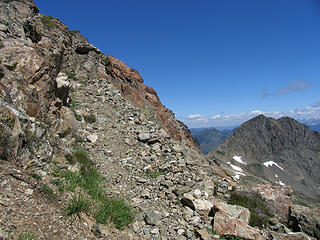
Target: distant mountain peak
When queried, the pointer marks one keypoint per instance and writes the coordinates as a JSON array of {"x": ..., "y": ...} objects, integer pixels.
[{"x": 283, "y": 141}]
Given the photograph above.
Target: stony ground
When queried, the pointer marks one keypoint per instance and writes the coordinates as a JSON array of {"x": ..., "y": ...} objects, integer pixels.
[{"x": 60, "y": 96}]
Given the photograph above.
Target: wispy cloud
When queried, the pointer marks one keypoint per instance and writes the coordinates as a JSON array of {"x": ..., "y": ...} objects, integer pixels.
[
  {"x": 293, "y": 86},
  {"x": 194, "y": 116},
  {"x": 224, "y": 120}
]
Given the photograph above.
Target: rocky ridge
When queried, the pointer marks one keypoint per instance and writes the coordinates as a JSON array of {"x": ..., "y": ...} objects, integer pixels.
[
  {"x": 283, "y": 150},
  {"x": 59, "y": 93}
]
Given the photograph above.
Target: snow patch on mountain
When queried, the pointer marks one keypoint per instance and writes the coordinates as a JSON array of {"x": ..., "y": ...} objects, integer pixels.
[
  {"x": 280, "y": 183},
  {"x": 238, "y": 171},
  {"x": 239, "y": 160},
  {"x": 271, "y": 163}
]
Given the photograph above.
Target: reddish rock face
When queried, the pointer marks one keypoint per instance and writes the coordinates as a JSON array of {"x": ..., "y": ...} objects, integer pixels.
[
  {"x": 227, "y": 225},
  {"x": 119, "y": 69},
  {"x": 130, "y": 82}
]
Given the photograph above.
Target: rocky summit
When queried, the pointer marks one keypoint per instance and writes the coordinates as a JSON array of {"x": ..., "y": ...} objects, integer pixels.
[
  {"x": 87, "y": 151},
  {"x": 284, "y": 151}
]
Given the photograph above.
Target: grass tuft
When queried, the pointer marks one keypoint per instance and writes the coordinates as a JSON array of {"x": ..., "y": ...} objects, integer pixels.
[
  {"x": 47, "y": 191},
  {"x": 88, "y": 179},
  {"x": 77, "y": 205},
  {"x": 154, "y": 174},
  {"x": 26, "y": 236},
  {"x": 36, "y": 176},
  {"x": 115, "y": 210}
]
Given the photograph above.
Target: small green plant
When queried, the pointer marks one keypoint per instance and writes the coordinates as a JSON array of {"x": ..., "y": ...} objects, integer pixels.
[
  {"x": 78, "y": 117},
  {"x": 117, "y": 211},
  {"x": 36, "y": 176},
  {"x": 72, "y": 75},
  {"x": 26, "y": 236},
  {"x": 56, "y": 182},
  {"x": 91, "y": 118},
  {"x": 73, "y": 105},
  {"x": 212, "y": 231},
  {"x": 48, "y": 21},
  {"x": 77, "y": 205},
  {"x": 47, "y": 191},
  {"x": 12, "y": 67},
  {"x": 154, "y": 174}
]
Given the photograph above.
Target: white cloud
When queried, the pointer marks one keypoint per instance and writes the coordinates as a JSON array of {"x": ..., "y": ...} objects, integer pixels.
[
  {"x": 216, "y": 116},
  {"x": 194, "y": 116},
  {"x": 198, "y": 120},
  {"x": 256, "y": 112}
]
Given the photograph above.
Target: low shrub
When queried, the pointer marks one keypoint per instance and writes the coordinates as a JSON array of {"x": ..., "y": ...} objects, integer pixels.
[
  {"x": 36, "y": 176},
  {"x": 48, "y": 21},
  {"x": 260, "y": 213}
]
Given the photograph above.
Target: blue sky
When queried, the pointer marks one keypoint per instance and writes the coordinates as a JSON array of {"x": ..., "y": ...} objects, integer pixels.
[{"x": 211, "y": 61}]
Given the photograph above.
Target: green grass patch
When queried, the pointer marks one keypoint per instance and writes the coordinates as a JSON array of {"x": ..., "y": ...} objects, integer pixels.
[
  {"x": 47, "y": 191},
  {"x": 77, "y": 205},
  {"x": 48, "y": 21},
  {"x": 72, "y": 75},
  {"x": 56, "y": 182},
  {"x": 26, "y": 236},
  {"x": 89, "y": 180},
  {"x": 212, "y": 231},
  {"x": 115, "y": 210},
  {"x": 35, "y": 176},
  {"x": 78, "y": 116},
  {"x": 72, "y": 105},
  {"x": 259, "y": 212},
  {"x": 154, "y": 174},
  {"x": 91, "y": 118}
]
